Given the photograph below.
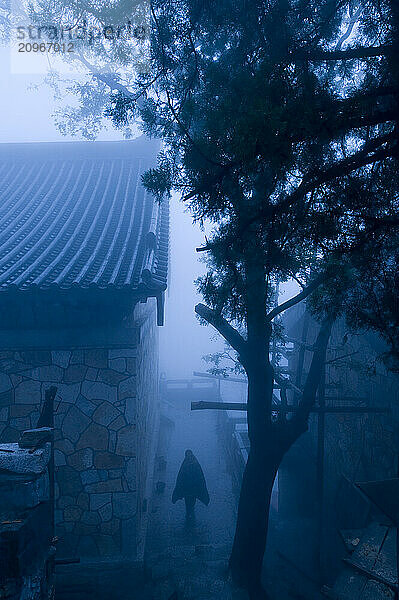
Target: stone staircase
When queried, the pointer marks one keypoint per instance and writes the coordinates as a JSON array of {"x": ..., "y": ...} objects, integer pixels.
[{"x": 192, "y": 573}]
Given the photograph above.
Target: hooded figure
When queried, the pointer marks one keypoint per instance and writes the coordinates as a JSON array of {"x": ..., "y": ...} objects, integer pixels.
[{"x": 190, "y": 483}]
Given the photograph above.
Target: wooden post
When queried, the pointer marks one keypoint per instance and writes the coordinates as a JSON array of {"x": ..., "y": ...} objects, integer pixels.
[{"x": 204, "y": 405}]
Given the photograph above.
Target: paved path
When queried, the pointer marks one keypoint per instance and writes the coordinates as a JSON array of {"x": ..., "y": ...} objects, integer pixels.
[{"x": 191, "y": 557}]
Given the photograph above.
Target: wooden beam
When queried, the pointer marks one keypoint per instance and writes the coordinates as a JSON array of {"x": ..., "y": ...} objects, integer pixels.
[
  {"x": 203, "y": 405},
  {"x": 210, "y": 376}
]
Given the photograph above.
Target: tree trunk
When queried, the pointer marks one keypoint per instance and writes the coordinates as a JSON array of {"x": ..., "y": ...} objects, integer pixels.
[
  {"x": 252, "y": 520},
  {"x": 269, "y": 442},
  {"x": 260, "y": 471}
]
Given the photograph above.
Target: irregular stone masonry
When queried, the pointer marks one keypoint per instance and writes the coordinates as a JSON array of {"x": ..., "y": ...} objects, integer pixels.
[{"x": 95, "y": 437}]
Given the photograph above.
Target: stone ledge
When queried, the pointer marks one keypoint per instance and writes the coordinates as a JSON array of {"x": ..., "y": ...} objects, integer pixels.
[{"x": 19, "y": 461}]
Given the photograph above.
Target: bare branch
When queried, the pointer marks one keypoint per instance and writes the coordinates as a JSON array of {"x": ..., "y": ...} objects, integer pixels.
[
  {"x": 352, "y": 22},
  {"x": 231, "y": 335},
  {"x": 313, "y": 285}
]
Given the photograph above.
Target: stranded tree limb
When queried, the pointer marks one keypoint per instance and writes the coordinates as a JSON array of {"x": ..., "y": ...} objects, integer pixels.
[
  {"x": 313, "y": 285},
  {"x": 231, "y": 335}
]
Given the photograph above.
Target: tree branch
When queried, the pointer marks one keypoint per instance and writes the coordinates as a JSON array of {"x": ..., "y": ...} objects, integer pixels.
[
  {"x": 369, "y": 154},
  {"x": 313, "y": 285},
  {"x": 316, "y": 366},
  {"x": 231, "y": 335},
  {"x": 300, "y": 421}
]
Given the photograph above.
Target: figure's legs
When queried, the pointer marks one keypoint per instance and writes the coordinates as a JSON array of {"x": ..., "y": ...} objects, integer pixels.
[{"x": 190, "y": 503}]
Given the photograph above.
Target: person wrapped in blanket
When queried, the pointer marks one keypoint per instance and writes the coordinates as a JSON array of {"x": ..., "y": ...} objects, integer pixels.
[{"x": 190, "y": 484}]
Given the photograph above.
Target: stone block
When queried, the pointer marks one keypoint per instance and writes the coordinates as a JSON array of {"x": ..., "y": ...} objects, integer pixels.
[
  {"x": 75, "y": 373},
  {"x": 91, "y": 374},
  {"x": 61, "y": 358},
  {"x": 75, "y": 423},
  {"x": 83, "y": 501},
  {"x": 36, "y": 357},
  {"x": 91, "y": 518},
  {"x": 65, "y": 501},
  {"x": 33, "y": 438},
  {"x": 81, "y": 460},
  {"x": 95, "y": 437},
  {"x": 123, "y": 353},
  {"x": 105, "y": 512},
  {"x": 77, "y": 357},
  {"x": 3, "y": 415},
  {"x": 126, "y": 441},
  {"x": 108, "y": 460},
  {"x": 68, "y": 392},
  {"x": 118, "y": 364},
  {"x": 21, "y": 423},
  {"x": 64, "y": 446},
  {"x": 5, "y": 383},
  {"x": 109, "y": 376},
  {"x": 58, "y": 419},
  {"x": 17, "y": 496},
  {"x": 97, "y": 501},
  {"x": 127, "y": 388},
  {"x": 111, "y": 527},
  {"x": 21, "y": 410},
  {"x": 96, "y": 358},
  {"x": 112, "y": 441},
  {"x": 72, "y": 513},
  {"x": 103, "y": 487},
  {"x": 118, "y": 423},
  {"x": 16, "y": 460},
  {"x": 86, "y": 406},
  {"x": 115, "y": 473},
  {"x": 28, "y": 392},
  {"x": 69, "y": 481},
  {"x": 98, "y": 390},
  {"x": 124, "y": 504},
  {"x": 62, "y": 408},
  {"x": 105, "y": 414},
  {"x": 90, "y": 476},
  {"x": 15, "y": 367},
  {"x": 7, "y": 398},
  {"x": 59, "y": 458},
  {"x": 15, "y": 380},
  {"x": 48, "y": 373}
]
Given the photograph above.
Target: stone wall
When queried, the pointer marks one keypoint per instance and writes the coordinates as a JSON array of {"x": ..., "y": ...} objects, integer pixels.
[{"x": 105, "y": 415}]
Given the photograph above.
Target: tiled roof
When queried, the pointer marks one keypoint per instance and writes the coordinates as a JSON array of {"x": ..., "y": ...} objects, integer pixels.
[{"x": 76, "y": 214}]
